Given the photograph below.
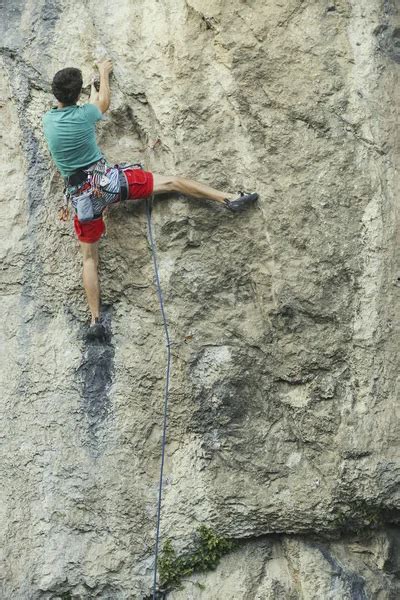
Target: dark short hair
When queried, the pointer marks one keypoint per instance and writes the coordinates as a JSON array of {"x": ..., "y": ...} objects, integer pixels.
[{"x": 67, "y": 85}]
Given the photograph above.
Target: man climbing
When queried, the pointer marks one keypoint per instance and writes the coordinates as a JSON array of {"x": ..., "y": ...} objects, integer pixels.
[{"x": 91, "y": 184}]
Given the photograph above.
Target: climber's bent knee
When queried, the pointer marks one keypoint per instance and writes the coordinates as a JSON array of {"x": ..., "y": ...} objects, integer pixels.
[
  {"x": 164, "y": 184},
  {"x": 90, "y": 251}
]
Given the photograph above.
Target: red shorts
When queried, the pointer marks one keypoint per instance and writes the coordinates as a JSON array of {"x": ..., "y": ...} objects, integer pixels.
[
  {"x": 140, "y": 186},
  {"x": 140, "y": 183},
  {"x": 90, "y": 231}
]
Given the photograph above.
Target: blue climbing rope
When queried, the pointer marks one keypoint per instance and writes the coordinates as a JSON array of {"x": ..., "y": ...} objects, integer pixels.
[{"x": 166, "y": 388}]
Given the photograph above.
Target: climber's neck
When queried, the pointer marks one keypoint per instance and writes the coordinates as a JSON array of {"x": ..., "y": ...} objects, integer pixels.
[{"x": 61, "y": 105}]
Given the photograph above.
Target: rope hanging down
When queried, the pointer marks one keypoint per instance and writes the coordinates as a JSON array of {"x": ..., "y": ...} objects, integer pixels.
[{"x": 166, "y": 388}]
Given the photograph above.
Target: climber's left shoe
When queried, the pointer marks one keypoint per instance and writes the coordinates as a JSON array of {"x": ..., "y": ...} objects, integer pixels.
[
  {"x": 96, "y": 331},
  {"x": 242, "y": 202}
]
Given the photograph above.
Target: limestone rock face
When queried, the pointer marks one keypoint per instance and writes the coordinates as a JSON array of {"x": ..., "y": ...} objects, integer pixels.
[{"x": 284, "y": 418}]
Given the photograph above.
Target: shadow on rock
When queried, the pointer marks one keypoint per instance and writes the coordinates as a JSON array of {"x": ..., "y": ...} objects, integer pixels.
[{"x": 96, "y": 374}]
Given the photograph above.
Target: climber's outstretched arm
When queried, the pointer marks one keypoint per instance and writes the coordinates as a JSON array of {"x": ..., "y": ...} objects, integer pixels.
[{"x": 103, "y": 101}]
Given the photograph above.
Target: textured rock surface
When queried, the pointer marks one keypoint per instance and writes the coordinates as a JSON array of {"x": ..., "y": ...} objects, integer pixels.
[
  {"x": 284, "y": 415},
  {"x": 290, "y": 568}
]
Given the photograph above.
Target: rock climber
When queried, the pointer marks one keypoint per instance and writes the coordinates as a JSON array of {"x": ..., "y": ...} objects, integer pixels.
[{"x": 91, "y": 183}]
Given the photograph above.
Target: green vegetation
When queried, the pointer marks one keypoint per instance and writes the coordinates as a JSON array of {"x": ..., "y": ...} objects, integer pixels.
[{"x": 208, "y": 549}]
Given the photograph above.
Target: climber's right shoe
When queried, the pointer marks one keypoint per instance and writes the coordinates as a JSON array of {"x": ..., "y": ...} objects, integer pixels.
[
  {"x": 96, "y": 331},
  {"x": 242, "y": 202}
]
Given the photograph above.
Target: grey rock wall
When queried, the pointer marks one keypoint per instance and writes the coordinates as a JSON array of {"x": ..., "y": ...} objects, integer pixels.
[{"x": 283, "y": 428}]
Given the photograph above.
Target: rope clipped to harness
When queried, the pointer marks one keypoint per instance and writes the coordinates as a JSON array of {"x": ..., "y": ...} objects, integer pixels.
[{"x": 166, "y": 387}]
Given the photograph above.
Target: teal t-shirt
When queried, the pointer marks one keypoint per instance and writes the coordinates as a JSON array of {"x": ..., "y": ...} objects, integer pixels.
[{"x": 70, "y": 133}]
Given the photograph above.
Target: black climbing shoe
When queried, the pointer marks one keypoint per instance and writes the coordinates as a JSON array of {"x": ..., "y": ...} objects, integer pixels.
[
  {"x": 96, "y": 331},
  {"x": 240, "y": 203}
]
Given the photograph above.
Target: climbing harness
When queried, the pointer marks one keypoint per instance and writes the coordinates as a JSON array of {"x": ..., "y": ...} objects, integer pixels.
[
  {"x": 166, "y": 387},
  {"x": 92, "y": 189}
]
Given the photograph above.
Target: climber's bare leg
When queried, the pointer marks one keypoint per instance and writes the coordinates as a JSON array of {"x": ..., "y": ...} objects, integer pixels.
[
  {"x": 90, "y": 255},
  {"x": 164, "y": 184}
]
